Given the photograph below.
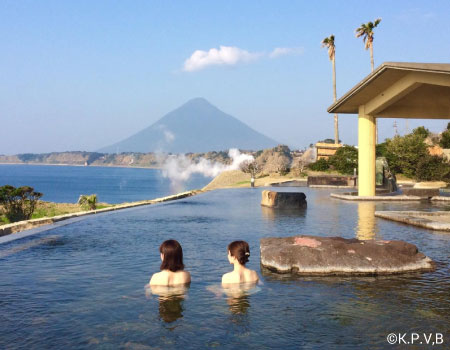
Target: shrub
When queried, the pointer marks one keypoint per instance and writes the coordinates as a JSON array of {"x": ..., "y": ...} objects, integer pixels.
[
  {"x": 284, "y": 169},
  {"x": 403, "y": 153},
  {"x": 88, "y": 201},
  {"x": 345, "y": 159},
  {"x": 327, "y": 141},
  {"x": 445, "y": 139},
  {"x": 320, "y": 165},
  {"x": 18, "y": 203},
  {"x": 431, "y": 168}
]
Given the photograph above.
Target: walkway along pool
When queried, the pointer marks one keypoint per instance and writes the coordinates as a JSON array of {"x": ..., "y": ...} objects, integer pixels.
[{"x": 81, "y": 286}]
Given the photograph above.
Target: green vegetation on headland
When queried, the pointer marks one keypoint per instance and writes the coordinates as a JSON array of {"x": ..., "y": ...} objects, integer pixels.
[
  {"x": 22, "y": 203},
  {"x": 18, "y": 203}
]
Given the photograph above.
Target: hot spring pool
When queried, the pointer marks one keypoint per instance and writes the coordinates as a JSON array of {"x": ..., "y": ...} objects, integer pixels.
[{"x": 81, "y": 286}]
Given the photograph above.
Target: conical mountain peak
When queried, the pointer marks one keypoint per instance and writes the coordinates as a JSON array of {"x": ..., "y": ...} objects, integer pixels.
[{"x": 196, "y": 126}]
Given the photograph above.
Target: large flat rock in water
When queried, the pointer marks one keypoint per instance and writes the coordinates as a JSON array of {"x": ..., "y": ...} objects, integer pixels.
[
  {"x": 312, "y": 255},
  {"x": 283, "y": 200}
]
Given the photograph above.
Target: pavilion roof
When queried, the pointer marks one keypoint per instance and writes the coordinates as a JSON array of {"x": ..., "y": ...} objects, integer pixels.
[{"x": 401, "y": 90}]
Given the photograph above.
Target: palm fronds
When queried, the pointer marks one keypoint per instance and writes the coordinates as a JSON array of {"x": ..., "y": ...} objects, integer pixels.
[
  {"x": 328, "y": 42},
  {"x": 366, "y": 32}
]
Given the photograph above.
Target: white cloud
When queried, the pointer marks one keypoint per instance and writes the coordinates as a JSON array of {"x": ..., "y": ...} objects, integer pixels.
[
  {"x": 225, "y": 55},
  {"x": 231, "y": 55},
  {"x": 283, "y": 51},
  {"x": 416, "y": 14}
]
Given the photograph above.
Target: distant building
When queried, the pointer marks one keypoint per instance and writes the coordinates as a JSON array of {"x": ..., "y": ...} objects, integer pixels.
[{"x": 326, "y": 150}]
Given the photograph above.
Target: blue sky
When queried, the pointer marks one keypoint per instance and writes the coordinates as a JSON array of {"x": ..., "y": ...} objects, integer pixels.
[{"x": 79, "y": 75}]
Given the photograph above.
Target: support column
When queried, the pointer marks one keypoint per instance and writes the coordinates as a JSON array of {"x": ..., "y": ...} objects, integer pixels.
[{"x": 366, "y": 153}]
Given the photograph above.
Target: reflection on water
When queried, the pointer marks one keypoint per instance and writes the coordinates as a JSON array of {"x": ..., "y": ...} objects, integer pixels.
[
  {"x": 170, "y": 301},
  {"x": 367, "y": 227},
  {"x": 238, "y": 296},
  {"x": 49, "y": 240},
  {"x": 274, "y": 213}
]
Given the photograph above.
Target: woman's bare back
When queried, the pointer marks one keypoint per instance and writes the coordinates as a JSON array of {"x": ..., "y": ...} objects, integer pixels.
[
  {"x": 169, "y": 278},
  {"x": 243, "y": 276}
]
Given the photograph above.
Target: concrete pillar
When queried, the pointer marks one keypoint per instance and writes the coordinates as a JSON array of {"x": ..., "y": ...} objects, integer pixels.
[
  {"x": 366, "y": 153},
  {"x": 366, "y": 228}
]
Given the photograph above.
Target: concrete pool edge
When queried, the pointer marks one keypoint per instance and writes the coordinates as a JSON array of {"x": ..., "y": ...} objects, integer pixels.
[
  {"x": 418, "y": 218},
  {"x": 352, "y": 196},
  {"x": 21, "y": 226}
]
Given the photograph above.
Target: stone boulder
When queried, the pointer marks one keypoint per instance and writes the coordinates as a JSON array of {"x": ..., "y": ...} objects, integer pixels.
[
  {"x": 283, "y": 200},
  {"x": 312, "y": 255},
  {"x": 424, "y": 193},
  {"x": 331, "y": 181}
]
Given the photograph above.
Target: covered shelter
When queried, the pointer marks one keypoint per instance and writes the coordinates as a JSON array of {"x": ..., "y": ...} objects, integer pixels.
[{"x": 393, "y": 90}]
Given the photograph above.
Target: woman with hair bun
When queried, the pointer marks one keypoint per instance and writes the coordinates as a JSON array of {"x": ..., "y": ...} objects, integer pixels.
[
  {"x": 238, "y": 254},
  {"x": 172, "y": 267}
]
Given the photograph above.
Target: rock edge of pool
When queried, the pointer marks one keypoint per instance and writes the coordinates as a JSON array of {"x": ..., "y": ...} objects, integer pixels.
[{"x": 313, "y": 255}]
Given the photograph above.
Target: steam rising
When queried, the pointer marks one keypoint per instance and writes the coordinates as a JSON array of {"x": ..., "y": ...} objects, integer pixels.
[{"x": 179, "y": 168}]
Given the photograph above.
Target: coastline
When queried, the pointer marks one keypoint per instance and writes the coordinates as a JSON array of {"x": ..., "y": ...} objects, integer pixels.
[{"x": 81, "y": 165}]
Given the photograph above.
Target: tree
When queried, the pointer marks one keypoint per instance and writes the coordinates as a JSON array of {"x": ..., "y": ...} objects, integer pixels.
[
  {"x": 329, "y": 44},
  {"x": 277, "y": 159},
  {"x": 89, "y": 201},
  {"x": 250, "y": 167},
  {"x": 18, "y": 203},
  {"x": 421, "y": 131},
  {"x": 445, "y": 138},
  {"x": 366, "y": 32}
]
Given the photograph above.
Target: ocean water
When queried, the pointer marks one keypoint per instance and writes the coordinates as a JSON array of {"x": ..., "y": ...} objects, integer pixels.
[
  {"x": 65, "y": 184},
  {"x": 81, "y": 286}
]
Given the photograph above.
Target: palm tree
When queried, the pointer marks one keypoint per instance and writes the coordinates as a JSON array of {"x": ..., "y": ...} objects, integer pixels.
[
  {"x": 366, "y": 31},
  {"x": 89, "y": 201},
  {"x": 329, "y": 43}
]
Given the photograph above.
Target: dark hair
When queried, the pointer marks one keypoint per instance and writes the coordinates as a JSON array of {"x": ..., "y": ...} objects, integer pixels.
[
  {"x": 240, "y": 250},
  {"x": 173, "y": 255}
]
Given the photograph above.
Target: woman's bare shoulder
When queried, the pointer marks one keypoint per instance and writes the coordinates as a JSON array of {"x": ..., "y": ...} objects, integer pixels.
[
  {"x": 252, "y": 276},
  {"x": 227, "y": 278},
  {"x": 186, "y": 276},
  {"x": 255, "y": 275},
  {"x": 158, "y": 278}
]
